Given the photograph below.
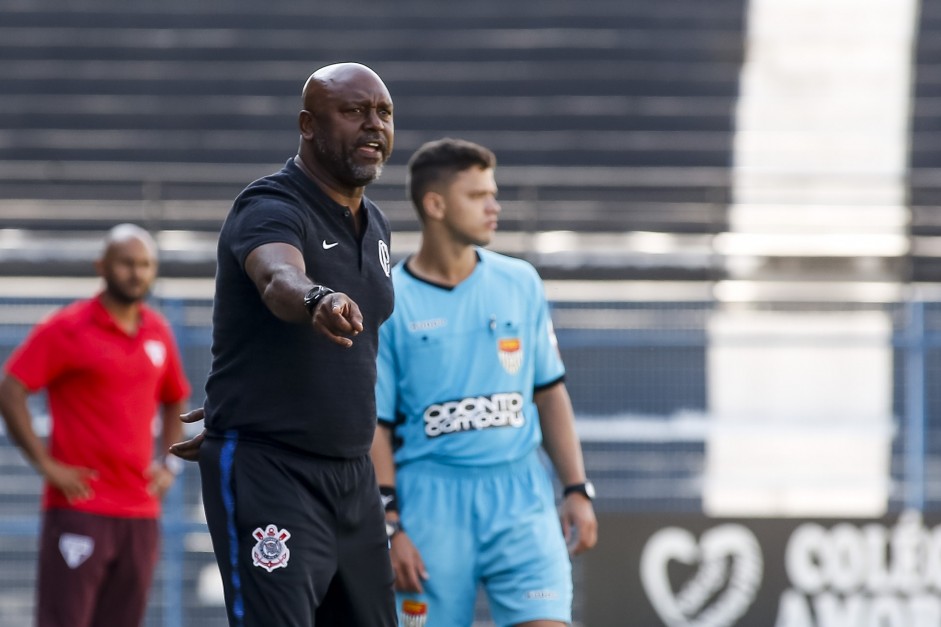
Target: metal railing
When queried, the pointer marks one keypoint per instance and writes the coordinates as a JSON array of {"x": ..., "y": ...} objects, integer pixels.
[{"x": 639, "y": 376}]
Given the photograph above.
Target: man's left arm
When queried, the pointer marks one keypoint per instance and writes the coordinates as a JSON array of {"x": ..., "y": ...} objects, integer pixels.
[
  {"x": 557, "y": 420},
  {"x": 166, "y": 467}
]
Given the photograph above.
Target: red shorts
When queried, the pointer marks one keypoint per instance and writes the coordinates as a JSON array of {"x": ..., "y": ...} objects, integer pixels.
[{"x": 94, "y": 571}]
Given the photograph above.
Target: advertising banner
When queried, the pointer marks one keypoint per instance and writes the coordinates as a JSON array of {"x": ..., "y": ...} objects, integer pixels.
[{"x": 678, "y": 570}]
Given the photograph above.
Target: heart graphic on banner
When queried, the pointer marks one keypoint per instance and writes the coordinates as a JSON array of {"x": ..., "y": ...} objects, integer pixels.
[{"x": 729, "y": 568}]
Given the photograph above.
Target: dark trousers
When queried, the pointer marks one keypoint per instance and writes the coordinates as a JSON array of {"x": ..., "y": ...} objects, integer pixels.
[
  {"x": 300, "y": 540},
  {"x": 94, "y": 571}
]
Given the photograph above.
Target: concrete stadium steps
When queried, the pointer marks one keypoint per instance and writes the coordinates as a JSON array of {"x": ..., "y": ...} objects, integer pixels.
[
  {"x": 614, "y": 116},
  {"x": 536, "y": 133},
  {"x": 196, "y": 196},
  {"x": 199, "y": 216},
  {"x": 925, "y": 157},
  {"x": 557, "y": 255},
  {"x": 582, "y": 226},
  {"x": 633, "y": 55}
]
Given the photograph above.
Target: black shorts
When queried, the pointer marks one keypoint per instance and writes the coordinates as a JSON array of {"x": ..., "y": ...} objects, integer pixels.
[{"x": 300, "y": 540}]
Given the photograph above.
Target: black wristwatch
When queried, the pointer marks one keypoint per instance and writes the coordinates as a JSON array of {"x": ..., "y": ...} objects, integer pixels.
[
  {"x": 314, "y": 296},
  {"x": 393, "y": 527},
  {"x": 587, "y": 489}
]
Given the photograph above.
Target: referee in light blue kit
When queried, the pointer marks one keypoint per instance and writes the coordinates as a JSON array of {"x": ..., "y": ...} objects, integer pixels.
[{"x": 470, "y": 384}]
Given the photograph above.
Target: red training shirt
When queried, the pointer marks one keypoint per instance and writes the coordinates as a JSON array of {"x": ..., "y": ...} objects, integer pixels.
[{"x": 104, "y": 388}]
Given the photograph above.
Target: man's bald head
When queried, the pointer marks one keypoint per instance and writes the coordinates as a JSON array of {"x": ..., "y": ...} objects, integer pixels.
[
  {"x": 124, "y": 233},
  {"x": 347, "y": 130},
  {"x": 329, "y": 78},
  {"x": 128, "y": 263}
]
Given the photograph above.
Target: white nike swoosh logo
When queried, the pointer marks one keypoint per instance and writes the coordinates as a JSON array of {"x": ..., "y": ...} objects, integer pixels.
[{"x": 327, "y": 246}]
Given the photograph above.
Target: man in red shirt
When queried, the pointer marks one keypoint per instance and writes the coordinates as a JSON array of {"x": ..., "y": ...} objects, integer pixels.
[{"x": 106, "y": 364}]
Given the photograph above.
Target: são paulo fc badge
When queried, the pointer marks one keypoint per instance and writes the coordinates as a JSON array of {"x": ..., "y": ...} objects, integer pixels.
[
  {"x": 271, "y": 551},
  {"x": 75, "y": 549}
]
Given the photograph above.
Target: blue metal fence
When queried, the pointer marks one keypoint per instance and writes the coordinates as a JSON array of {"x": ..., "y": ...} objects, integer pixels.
[{"x": 638, "y": 377}]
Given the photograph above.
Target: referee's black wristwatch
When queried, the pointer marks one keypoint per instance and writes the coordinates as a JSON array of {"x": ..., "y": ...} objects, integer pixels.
[
  {"x": 314, "y": 296},
  {"x": 393, "y": 527},
  {"x": 586, "y": 489}
]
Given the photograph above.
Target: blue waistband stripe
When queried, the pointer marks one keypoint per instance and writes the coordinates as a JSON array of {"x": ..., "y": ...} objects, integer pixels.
[{"x": 226, "y": 459}]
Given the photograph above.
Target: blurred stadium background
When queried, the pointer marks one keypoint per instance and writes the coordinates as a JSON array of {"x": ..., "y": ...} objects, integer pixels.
[{"x": 735, "y": 205}]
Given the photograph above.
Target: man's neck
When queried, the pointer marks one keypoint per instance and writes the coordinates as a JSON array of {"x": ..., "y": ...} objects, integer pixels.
[
  {"x": 449, "y": 265},
  {"x": 351, "y": 198},
  {"x": 125, "y": 315}
]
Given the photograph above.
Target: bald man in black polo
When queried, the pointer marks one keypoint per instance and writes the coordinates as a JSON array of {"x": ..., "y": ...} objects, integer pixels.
[{"x": 302, "y": 285}]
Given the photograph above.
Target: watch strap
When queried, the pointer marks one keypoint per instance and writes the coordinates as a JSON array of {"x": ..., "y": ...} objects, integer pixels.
[
  {"x": 586, "y": 489},
  {"x": 314, "y": 296},
  {"x": 390, "y": 501},
  {"x": 393, "y": 527}
]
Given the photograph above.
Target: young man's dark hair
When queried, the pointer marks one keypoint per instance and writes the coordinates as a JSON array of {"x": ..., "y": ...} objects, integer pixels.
[{"x": 436, "y": 163}]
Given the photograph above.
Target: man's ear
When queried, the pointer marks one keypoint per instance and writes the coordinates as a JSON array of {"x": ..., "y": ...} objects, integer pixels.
[
  {"x": 305, "y": 123},
  {"x": 433, "y": 205}
]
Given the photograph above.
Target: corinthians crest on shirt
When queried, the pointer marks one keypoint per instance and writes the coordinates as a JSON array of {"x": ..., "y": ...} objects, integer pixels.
[
  {"x": 510, "y": 352},
  {"x": 271, "y": 551}
]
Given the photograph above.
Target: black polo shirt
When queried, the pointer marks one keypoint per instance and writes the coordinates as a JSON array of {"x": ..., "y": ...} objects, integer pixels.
[{"x": 281, "y": 382}]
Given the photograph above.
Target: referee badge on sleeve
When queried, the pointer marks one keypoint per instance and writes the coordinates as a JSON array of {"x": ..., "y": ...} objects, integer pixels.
[{"x": 271, "y": 551}]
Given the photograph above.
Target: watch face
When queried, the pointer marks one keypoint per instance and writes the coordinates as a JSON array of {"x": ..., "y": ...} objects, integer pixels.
[
  {"x": 590, "y": 489},
  {"x": 391, "y": 528},
  {"x": 314, "y": 295}
]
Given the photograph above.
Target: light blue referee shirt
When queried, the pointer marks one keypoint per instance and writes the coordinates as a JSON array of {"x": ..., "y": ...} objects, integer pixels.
[{"x": 457, "y": 367}]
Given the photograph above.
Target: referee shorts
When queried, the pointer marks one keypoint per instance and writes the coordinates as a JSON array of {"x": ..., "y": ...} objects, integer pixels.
[
  {"x": 495, "y": 526},
  {"x": 300, "y": 540}
]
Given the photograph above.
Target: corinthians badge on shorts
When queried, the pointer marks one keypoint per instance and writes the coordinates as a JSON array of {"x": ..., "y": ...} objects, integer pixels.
[
  {"x": 414, "y": 613},
  {"x": 511, "y": 354},
  {"x": 271, "y": 551}
]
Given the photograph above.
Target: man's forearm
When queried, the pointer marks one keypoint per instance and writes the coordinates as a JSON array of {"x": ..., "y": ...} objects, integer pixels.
[
  {"x": 172, "y": 428},
  {"x": 19, "y": 423},
  {"x": 560, "y": 440}
]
